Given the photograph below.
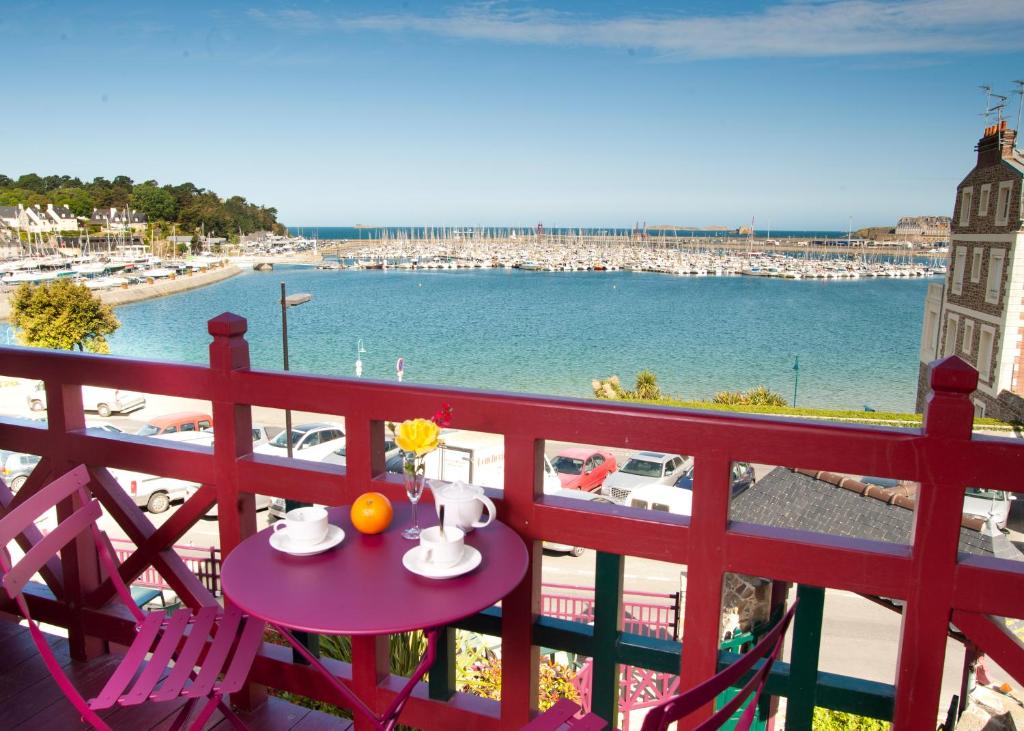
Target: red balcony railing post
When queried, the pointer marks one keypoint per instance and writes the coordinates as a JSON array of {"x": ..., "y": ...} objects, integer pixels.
[
  {"x": 948, "y": 422},
  {"x": 232, "y": 441},
  {"x": 80, "y": 568},
  {"x": 232, "y": 437},
  {"x": 520, "y": 658},
  {"x": 703, "y": 612}
]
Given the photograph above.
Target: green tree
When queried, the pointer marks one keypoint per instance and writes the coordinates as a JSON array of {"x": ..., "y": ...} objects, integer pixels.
[
  {"x": 157, "y": 203},
  {"x": 78, "y": 199},
  {"x": 62, "y": 315}
]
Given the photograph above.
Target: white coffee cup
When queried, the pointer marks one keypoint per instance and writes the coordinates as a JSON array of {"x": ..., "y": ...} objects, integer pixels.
[
  {"x": 304, "y": 526},
  {"x": 442, "y": 551}
]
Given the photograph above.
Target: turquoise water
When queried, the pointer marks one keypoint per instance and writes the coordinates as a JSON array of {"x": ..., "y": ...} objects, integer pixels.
[{"x": 553, "y": 332}]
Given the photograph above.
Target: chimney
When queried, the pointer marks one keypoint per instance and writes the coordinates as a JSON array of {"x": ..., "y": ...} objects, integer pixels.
[{"x": 996, "y": 144}]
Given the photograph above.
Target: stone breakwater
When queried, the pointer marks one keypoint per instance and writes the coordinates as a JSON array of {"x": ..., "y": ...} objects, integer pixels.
[{"x": 149, "y": 290}]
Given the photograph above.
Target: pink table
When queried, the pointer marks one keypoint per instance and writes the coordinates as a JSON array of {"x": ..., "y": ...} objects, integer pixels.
[{"x": 361, "y": 588}]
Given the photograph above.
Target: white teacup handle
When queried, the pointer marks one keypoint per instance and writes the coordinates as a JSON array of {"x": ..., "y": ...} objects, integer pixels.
[
  {"x": 280, "y": 524},
  {"x": 491, "y": 511}
]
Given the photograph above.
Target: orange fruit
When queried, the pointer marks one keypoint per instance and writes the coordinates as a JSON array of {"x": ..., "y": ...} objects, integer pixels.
[{"x": 371, "y": 513}]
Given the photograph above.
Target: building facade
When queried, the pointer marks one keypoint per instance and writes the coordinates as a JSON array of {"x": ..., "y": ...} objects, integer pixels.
[
  {"x": 119, "y": 219},
  {"x": 926, "y": 227},
  {"x": 976, "y": 313}
]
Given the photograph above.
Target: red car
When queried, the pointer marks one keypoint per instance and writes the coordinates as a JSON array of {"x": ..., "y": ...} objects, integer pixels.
[{"x": 580, "y": 468}]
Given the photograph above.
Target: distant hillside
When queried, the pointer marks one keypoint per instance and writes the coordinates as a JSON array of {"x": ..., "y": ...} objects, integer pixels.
[
  {"x": 190, "y": 207},
  {"x": 875, "y": 233}
]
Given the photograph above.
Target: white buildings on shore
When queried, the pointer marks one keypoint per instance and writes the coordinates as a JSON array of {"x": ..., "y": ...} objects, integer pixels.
[
  {"x": 119, "y": 219},
  {"x": 38, "y": 220}
]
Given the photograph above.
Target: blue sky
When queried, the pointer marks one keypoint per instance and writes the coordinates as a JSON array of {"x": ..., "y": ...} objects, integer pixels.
[{"x": 802, "y": 113}]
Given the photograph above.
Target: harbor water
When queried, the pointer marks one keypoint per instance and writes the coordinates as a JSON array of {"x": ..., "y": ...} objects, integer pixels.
[{"x": 552, "y": 333}]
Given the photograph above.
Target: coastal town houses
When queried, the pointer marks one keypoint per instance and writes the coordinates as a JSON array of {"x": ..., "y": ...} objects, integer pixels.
[
  {"x": 37, "y": 219},
  {"x": 119, "y": 219},
  {"x": 976, "y": 313},
  {"x": 925, "y": 228}
]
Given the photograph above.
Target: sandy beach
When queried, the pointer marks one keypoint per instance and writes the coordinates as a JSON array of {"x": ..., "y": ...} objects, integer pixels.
[{"x": 154, "y": 288}]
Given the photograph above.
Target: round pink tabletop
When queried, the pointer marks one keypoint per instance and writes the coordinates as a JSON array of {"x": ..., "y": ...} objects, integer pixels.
[{"x": 361, "y": 587}]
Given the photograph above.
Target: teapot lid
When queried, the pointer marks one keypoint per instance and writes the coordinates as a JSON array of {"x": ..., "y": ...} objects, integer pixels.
[{"x": 460, "y": 491}]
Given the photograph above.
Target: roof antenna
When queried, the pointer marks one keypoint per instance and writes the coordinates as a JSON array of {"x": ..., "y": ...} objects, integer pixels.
[
  {"x": 1020, "y": 102},
  {"x": 987, "y": 88}
]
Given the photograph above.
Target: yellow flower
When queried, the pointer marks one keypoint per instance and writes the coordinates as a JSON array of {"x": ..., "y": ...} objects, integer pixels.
[{"x": 417, "y": 435}]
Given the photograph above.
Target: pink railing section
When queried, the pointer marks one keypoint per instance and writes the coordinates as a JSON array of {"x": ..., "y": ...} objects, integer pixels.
[
  {"x": 644, "y": 613},
  {"x": 204, "y": 563},
  {"x": 654, "y": 615}
]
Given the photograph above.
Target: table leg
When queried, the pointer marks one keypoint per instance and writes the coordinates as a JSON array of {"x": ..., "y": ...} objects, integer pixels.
[{"x": 386, "y": 721}]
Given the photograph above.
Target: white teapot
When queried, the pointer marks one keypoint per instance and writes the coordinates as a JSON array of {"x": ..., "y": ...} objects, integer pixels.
[{"x": 463, "y": 505}]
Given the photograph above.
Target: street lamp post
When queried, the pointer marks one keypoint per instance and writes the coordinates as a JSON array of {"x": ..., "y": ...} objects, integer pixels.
[
  {"x": 289, "y": 301},
  {"x": 312, "y": 642},
  {"x": 796, "y": 378}
]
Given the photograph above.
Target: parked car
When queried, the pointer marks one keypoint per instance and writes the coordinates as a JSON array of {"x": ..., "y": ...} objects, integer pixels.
[
  {"x": 15, "y": 468},
  {"x": 582, "y": 468},
  {"x": 577, "y": 495},
  {"x": 104, "y": 401},
  {"x": 392, "y": 454},
  {"x": 978, "y": 502},
  {"x": 644, "y": 468},
  {"x": 666, "y": 498},
  {"x": 312, "y": 441},
  {"x": 182, "y": 421},
  {"x": 260, "y": 434},
  {"x": 742, "y": 478},
  {"x": 152, "y": 492},
  {"x": 983, "y": 503}
]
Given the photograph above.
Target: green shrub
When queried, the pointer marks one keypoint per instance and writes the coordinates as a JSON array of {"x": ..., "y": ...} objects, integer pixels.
[
  {"x": 829, "y": 720},
  {"x": 764, "y": 396},
  {"x": 730, "y": 398}
]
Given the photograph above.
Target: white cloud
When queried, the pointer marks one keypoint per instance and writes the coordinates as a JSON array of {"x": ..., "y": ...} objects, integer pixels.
[{"x": 795, "y": 28}]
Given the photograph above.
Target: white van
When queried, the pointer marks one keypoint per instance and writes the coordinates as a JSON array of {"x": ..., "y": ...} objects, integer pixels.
[{"x": 477, "y": 458}]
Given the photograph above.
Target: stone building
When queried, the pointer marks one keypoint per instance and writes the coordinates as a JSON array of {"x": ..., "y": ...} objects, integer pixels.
[
  {"x": 976, "y": 313},
  {"x": 923, "y": 227}
]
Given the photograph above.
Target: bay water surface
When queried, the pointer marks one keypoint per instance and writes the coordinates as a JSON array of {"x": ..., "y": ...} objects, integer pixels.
[{"x": 552, "y": 333}]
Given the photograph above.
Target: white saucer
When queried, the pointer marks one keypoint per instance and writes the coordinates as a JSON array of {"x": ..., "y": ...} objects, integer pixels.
[
  {"x": 280, "y": 541},
  {"x": 471, "y": 558}
]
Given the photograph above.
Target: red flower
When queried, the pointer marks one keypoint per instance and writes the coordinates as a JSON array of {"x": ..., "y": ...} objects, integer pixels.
[{"x": 443, "y": 417}]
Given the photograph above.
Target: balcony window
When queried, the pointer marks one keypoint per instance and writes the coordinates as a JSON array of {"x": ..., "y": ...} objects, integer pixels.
[
  {"x": 966, "y": 198},
  {"x": 1003, "y": 203},
  {"x": 985, "y": 346},
  {"x": 951, "y": 328},
  {"x": 994, "y": 284},
  {"x": 986, "y": 191},
  {"x": 959, "y": 264},
  {"x": 968, "y": 342}
]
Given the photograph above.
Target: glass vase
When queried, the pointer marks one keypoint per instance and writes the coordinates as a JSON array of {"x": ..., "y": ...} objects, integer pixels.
[{"x": 413, "y": 468}]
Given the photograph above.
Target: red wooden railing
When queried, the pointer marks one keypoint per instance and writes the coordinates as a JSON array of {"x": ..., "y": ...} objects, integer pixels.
[{"x": 935, "y": 583}]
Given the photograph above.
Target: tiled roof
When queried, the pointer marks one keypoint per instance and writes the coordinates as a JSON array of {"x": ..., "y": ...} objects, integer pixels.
[
  {"x": 788, "y": 499},
  {"x": 8, "y": 211}
]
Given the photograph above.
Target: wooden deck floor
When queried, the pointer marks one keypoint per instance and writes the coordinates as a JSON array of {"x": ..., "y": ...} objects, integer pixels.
[{"x": 31, "y": 700}]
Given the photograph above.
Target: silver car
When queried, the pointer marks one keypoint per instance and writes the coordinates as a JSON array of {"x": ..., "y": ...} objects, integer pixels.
[
  {"x": 641, "y": 469},
  {"x": 16, "y": 467}
]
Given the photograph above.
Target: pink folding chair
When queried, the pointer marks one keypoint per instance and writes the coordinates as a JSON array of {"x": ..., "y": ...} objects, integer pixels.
[
  {"x": 230, "y": 640},
  {"x": 561, "y": 717},
  {"x": 769, "y": 647}
]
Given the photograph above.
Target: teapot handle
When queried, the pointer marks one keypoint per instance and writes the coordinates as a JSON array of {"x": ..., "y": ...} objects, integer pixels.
[{"x": 491, "y": 512}]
